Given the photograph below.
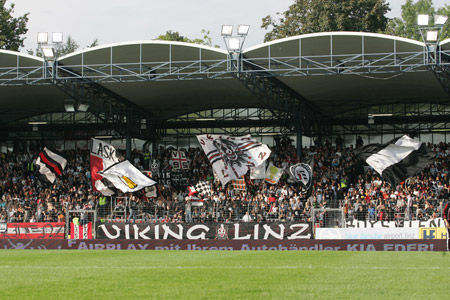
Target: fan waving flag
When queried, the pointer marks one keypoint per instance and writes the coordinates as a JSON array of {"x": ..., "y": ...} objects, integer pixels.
[
  {"x": 398, "y": 159},
  {"x": 202, "y": 188},
  {"x": 126, "y": 177},
  {"x": 50, "y": 164},
  {"x": 231, "y": 157}
]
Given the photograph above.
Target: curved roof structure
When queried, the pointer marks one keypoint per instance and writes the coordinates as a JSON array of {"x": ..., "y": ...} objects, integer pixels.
[
  {"x": 445, "y": 44},
  {"x": 355, "y": 70},
  {"x": 346, "y": 50}
]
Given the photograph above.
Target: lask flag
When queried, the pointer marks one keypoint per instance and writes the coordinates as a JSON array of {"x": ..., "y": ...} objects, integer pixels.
[
  {"x": 126, "y": 177},
  {"x": 273, "y": 174},
  {"x": 102, "y": 156},
  {"x": 50, "y": 164},
  {"x": 398, "y": 159},
  {"x": 231, "y": 157}
]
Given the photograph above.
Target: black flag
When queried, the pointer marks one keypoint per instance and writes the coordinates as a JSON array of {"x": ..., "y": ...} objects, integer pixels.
[{"x": 398, "y": 159}]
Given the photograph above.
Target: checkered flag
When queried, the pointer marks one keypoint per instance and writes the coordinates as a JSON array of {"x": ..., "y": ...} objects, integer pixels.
[{"x": 203, "y": 188}]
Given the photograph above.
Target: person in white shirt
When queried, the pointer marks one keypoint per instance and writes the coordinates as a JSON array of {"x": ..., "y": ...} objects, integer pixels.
[{"x": 246, "y": 217}]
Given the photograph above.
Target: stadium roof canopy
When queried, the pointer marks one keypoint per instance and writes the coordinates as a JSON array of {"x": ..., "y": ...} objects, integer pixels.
[{"x": 335, "y": 71}]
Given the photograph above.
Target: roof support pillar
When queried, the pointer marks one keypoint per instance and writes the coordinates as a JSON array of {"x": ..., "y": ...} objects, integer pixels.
[{"x": 299, "y": 143}]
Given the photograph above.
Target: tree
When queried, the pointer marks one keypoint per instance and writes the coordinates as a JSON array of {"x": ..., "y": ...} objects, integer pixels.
[
  {"x": 177, "y": 37},
  {"x": 11, "y": 29},
  {"x": 68, "y": 47},
  {"x": 406, "y": 26},
  {"x": 308, "y": 16}
]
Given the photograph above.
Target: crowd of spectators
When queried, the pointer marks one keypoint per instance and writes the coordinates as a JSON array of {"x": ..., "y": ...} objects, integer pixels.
[{"x": 339, "y": 182}]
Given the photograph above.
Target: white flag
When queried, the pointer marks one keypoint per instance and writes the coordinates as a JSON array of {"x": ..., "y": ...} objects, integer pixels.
[
  {"x": 273, "y": 174},
  {"x": 258, "y": 172},
  {"x": 126, "y": 177},
  {"x": 231, "y": 157}
]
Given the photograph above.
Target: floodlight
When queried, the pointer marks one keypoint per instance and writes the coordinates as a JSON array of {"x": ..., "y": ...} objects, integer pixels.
[
  {"x": 83, "y": 107},
  {"x": 243, "y": 29},
  {"x": 440, "y": 20},
  {"x": 423, "y": 20},
  {"x": 432, "y": 35},
  {"x": 42, "y": 37},
  {"x": 69, "y": 105},
  {"x": 69, "y": 108},
  {"x": 205, "y": 119},
  {"x": 37, "y": 122},
  {"x": 227, "y": 30},
  {"x": 234, "y": 44},
  {"x": 103, "y": 137},
  {"x": 48, "y": 51},
  {"x": 57, "y": 37}
]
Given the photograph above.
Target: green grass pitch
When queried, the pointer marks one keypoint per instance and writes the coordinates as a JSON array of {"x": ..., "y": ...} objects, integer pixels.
[{"x": 67, "y": 274}]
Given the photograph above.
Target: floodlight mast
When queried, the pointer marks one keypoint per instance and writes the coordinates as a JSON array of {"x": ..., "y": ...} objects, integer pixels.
[
  {"x": 234, "y": 43},
  {"x": 431, "y": 34},
  {"x": 49, "y": 49}
]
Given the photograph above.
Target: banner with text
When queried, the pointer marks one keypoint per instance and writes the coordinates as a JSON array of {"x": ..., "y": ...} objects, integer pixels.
[
  {"x": 399, "y": 233},
  {"x": 438, "y": 222},
  {"x": 33, "y": 231},
  {"x": 206, "y": 231},
  {"x": 226, "y": 245}
]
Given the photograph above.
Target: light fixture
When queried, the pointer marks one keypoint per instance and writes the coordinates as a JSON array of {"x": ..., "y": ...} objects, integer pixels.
[
  {"x": 69, "y": 105},
  {"x": 48, "y": 51},
  {"x": 103, "y": 137},
  {"x": 83, "y": 107},
  {"x": 432, "y": 35},
  {"x": 42, "y": 37},
  {"x": 441, "y": 130},
  {"x": 227, "y": 30},
  {"x": 37, "y": 123},
  {"x": 205, "y": 119},
  {"x": 57, "y": 37},
  {"x": 440, "y": 20},
  {"x": 243, "y": 29},
  {"x": 380, "y": 115},
  {"x": 423, "y": 20},
  {"x": 234, "y": 44}
]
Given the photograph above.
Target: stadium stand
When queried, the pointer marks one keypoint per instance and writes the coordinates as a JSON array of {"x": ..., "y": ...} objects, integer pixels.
[{"x": 339, "y": 182}]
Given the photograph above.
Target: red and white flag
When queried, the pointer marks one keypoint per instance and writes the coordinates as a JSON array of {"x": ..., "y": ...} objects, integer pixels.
[
  {"x": 81, "y": 232},
  {"x": 102, "y": 156}
]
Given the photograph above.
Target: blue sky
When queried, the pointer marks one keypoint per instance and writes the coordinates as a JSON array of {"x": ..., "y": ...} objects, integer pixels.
[{"x": 118, "y": 20}]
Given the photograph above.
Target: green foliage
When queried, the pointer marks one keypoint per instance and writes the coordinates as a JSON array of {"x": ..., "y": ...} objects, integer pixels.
[
  {"x": 309, "y": 16},
  {"x": 406, "y": 26},
  {"x": 11, "y": 29},
  {"x": 93, "y": 44},
  {"x": 175, "y": 36},
  {"x": 68, "y": 47}
]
